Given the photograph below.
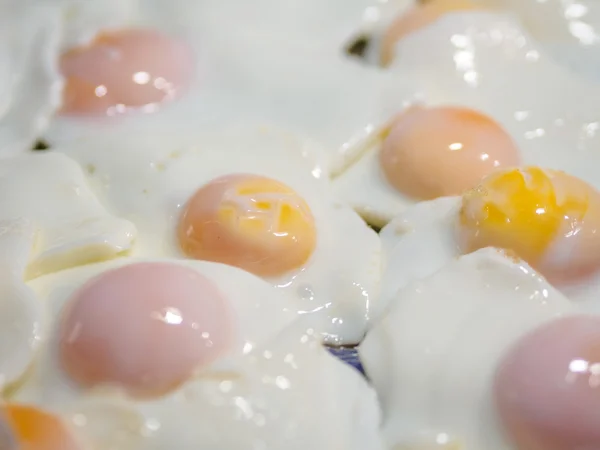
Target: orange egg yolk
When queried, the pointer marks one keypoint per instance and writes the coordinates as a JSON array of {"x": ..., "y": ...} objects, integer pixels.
[
  {"x": 419, "y": 16},
  {"x": 28, "y": 428},
  {"x": 144, "y": 327},
  {"x": 124, "y": 70},
  {"x": 442, "y": 151},
  {"x": 548, "y": 218},
  {"x": 248, "y": 221}
]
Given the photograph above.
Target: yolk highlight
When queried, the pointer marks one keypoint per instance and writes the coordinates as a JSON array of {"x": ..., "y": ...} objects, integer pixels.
[
  {"x": 547, "y": 386},
  {"x": 33, "y": 429},
  {"x": 442, "y": 151},
  {"x": 419, "y": 16},
  {"x": 248, "y": 221},
  {"x": 123, "y": 70},
  {"x": 548, "y": 218},
  {"x": 145, "y": 327}
]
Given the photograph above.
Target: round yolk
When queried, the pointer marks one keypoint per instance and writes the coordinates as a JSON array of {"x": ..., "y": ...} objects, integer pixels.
[
  {"x": 548, "y": 218},
  {"x": 27, "y": 428},
  {"x": 419, "y": 16},
  {"x": 248, "y": 221},
  {"x": 126, "y": 69},
  {"x": 436, "y": 152},
  {"x": 547, "y": 387},
  {"x": 145, "y": 327}
]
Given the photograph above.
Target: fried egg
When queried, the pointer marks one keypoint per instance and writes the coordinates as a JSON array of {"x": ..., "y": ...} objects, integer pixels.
[
  {"x": 482, "y": 76},
  {"x": 432, "y": 358},
  {"x": 252, "y": 197},
  {"x": 148, "y": 66},
  {"x": 49, "y": 220},
  {"x": 30, "y": 83},
  {"x": 246, "y": 370},
  {"x": 548, "y": 218}
]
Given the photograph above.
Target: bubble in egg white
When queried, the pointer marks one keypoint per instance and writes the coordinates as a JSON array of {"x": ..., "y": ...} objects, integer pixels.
[{"x": 444, "y": 335}]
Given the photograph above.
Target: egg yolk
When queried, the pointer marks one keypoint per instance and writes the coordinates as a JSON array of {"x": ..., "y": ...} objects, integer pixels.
[
  {"x": 248, "y": 221},
  {"x": 548, "y": 218},
  {"x": 27, "y": 428},
  {"x": 547, "y": 387},
  {"x": 122, "y": 70},
  {"x": 436, "y": 152},
  {"x": 419, "y": 16},
  {"x": 145, "y": 327}
]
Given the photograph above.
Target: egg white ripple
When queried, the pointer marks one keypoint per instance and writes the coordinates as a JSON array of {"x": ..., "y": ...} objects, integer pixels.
[
  {"x": 433, "y": 356},
  {"x": 276, "y": 387},
  {"x": 422, "y": 240},
  {"x": 488, "y": 62},
  {"x": 29, "y": 80},
  {"x": 247, "y": 72},
  {"x": 148, "y": 179},
  {"x": 49, "y": 194}
]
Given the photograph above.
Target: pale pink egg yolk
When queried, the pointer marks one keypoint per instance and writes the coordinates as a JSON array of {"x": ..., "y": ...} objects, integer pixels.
[
  {"x": 125, "y": 69},
  {"x": 248, "y": 221},
  {"x": 25, "y": 427},
  {"x": 436, "y": 152},
  {"x": 548, "y": 218},
  {"x": 547, "y": 387},
  {"x": 419, "y": 16},
  {"x": 145, "y": 327}
]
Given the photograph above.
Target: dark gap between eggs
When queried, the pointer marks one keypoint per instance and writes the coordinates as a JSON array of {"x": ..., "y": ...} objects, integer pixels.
[
  {"x": 40, "y": 145},
  {"x": 358, "y": 46}
]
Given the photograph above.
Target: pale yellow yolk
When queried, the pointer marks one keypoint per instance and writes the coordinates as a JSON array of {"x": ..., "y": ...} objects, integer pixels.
[
  {"x": 29, "y": 428},
  {"x": 251, "y": 222},
  {"x": 548, "y": 218}
]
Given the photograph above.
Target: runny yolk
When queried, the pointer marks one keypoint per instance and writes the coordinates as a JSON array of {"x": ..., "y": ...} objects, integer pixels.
[
  {"x": 248, "y": 221},
  {"x": 24, "y": 427},
  {"x": 124, "y": 70},
  {"x": 441, "y": 151},
  {"x": 419, "y": 16},
  {"x": 144, "y": 327},
  {"x": 547, "y": 387},
  {"x": 548, "y": 218}
]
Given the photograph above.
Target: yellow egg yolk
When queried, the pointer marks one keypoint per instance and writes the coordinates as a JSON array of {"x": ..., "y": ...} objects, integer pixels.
[
  {"x": 32, "y": 429},
  {"x": 548, "y": 218},
  {"x": 248, "y": 221}
]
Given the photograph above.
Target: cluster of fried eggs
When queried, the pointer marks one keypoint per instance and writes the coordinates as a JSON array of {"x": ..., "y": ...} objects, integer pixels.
[{"x": 171, "y": 266}]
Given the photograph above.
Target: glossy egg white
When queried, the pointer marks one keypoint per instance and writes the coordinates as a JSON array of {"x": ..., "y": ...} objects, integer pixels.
[
  {"x": 549, "y": 110},
  {"x": 148, "y": 179},
  {"x": 49, "y": 220},
  {"x": 422, "y": 240},
  {"x": 433, "y": 356},
  {"x": 30, "y": 84},
  {"x": 267, "y": 389},
  {"x": 248, "y": 73}
]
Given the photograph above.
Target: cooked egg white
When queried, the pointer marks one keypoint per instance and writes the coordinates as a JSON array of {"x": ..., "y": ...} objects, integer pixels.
[
  {"x": 29, "y": 80},
  {"x": 49, "y": 220},
  {"x": 488, "y": 62},
  {"x": 267, "y": 388},
  {"x": 433, "y": 356},
  {"x": 243, "y": 73},
  {"x": 149, "y": 179},
  {"x": 64, "y": 222}
]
